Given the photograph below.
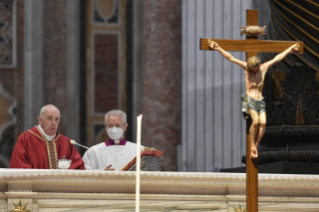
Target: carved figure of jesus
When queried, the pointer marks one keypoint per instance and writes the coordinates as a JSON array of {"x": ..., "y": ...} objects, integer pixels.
[{"x": 255, "y": 72}]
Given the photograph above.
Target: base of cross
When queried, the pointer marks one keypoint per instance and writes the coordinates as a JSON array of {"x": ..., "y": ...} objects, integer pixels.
[{"x": 251, "y": 174}]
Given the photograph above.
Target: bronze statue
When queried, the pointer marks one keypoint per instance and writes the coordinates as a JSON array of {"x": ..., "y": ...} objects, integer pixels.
[{"x": 254, "y": 81}]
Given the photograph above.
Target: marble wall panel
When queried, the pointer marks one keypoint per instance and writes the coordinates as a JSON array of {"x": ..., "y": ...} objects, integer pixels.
[
  {"x": 106, "y": 69},
  {"x": 106, "y": 63}
]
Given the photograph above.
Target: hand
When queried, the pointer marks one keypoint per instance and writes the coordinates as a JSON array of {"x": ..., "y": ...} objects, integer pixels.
[
  {"x": 213, "y": 45},
  {"x": 295, "y": 48},
  {"x": 108, "y": 168}
]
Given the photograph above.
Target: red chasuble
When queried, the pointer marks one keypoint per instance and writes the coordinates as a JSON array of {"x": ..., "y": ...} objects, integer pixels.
[{"x": 34, "y": 151}]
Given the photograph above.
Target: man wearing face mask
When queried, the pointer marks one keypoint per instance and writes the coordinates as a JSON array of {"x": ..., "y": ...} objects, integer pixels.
[{"x": 115, "y": 152}]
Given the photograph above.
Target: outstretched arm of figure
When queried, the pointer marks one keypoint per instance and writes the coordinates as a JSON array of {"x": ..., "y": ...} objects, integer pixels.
[
  {"x": 282, "y": 55},
  {"x": 213, "y": 45}
]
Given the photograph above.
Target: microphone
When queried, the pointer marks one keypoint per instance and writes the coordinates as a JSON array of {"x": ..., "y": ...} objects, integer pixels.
[
  {"x": 74, "y": 143},
  {"x": 85, "y": 147}
]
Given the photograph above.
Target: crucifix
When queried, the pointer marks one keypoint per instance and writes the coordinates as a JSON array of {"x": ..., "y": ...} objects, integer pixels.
[{"x": 251, "y": 46}]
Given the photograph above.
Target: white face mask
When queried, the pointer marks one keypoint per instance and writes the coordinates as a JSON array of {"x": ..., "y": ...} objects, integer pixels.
[{"x": 115, "y": 133}]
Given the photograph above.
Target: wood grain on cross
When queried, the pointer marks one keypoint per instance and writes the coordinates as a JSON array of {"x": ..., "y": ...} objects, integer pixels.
[{"x": 251, "y": 46}]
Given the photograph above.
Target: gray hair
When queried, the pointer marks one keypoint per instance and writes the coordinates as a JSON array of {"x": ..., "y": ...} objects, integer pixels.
[
  {"x": 116, "y": 113},
  {"x": 45, "y": 107}
]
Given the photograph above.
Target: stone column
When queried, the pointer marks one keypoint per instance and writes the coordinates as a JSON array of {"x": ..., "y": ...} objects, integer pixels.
[
  {"x": 33, "y": 61},
  {"x": 55, "y": 64},
  {"x": 73, "y": 69},
  {"x": 137, "y": 60},
  {"x": 162, "y": 79}
]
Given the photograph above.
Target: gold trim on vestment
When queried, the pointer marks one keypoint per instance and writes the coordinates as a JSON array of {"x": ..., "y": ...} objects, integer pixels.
[
  {"x": 36, "y": 135},
  {"x": 52, "y": 165}
]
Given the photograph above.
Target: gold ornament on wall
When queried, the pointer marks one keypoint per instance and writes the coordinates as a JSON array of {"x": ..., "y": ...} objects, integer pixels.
[
  {"x": 20, "y": 207},
  {"x": 239, "y": 209}
]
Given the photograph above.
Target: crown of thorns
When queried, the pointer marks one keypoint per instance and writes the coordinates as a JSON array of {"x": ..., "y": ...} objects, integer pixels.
[{"x": 254, "y": 64}]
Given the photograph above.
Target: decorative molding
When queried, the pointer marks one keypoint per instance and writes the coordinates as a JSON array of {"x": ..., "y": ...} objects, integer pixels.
[
  {"x": 14, "y": 173},
  {"x": 11, "y": 109},
  {"x": 8, "y": 34},
  {"x": 114, "y": 196},
  {"x": 21, "y": 194},
  {"x": 112, "y": 18},
  {"x": 93, "y": 69},
  {"x": 229, "y": 198},
  {"x": 219, "y": 181},
  {"x": 3, "y": 195},
  {"x": 288, "y": 199},
  {"x": 252, "y": 30}
]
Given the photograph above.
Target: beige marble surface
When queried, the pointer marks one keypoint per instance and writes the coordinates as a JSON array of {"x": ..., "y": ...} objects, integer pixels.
[{"x": 77, "y": 190}]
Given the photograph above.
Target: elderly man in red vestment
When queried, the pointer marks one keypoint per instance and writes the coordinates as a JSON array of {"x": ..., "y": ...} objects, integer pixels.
[{"x": 41, "y": 146}]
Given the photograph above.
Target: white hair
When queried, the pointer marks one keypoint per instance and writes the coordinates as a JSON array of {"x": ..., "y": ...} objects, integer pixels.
[
  {"x": 116, "y": 113},
  {"x": 45, "y": 107}
]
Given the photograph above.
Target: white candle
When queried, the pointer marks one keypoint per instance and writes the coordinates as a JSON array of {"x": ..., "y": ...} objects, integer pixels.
[{"x": 138, "y": 163}]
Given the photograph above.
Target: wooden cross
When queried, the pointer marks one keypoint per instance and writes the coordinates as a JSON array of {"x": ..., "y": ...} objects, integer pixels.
[{"x": 251, "y": 46}]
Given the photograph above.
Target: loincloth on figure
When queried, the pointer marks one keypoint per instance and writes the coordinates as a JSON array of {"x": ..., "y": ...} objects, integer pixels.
[{"x": 247, "y": 102}]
